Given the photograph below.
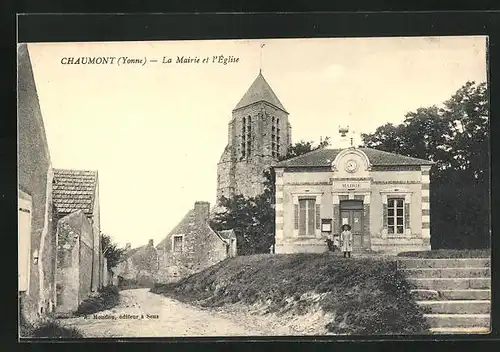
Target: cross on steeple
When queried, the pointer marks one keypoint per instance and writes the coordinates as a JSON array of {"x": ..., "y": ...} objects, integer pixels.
[{"x": 260, "y": 65}]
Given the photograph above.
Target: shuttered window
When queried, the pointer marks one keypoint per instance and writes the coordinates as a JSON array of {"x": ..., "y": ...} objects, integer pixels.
[
  {"x": 318, "y": 216},
  {"x": 307, "y": 217},
  {"x": 296, "y": 217}
]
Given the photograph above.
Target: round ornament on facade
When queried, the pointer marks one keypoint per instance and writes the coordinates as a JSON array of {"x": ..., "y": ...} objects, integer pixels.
[{"x": 351, "y": 166}]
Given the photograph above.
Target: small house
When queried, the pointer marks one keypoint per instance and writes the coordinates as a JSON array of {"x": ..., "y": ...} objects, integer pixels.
[{"x": 193, "y": 245}]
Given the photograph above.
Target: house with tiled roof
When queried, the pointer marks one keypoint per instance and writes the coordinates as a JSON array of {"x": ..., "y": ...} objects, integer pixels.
[
  {"x": 75, "y": 190},
  {"x": 383, "y": 197},
  {"x": 193, "y": 245},
  {"x": 81, "y": 265},
  {"x": 138, "y": 266}
]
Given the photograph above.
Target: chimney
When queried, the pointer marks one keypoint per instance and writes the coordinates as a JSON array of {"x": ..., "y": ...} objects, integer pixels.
[
  {"x": 201, "y": 212},
  {"x": 345, "y": 140},
  {"x": 151, "y": 243},
  {"x": 128, "y": 246}
]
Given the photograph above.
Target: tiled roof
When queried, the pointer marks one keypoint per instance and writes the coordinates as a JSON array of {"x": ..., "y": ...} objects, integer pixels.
[
  {"x": 260, "y": 90},
  {"x": 188, "y": 225},
  {"x": 131, "y": 252},
  {"x": 325, "y": 157},
  {"x": 74, "y": 190}
]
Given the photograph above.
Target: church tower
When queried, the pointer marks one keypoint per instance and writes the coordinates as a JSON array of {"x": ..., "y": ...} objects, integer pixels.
[{"x": 259, "y": 132}]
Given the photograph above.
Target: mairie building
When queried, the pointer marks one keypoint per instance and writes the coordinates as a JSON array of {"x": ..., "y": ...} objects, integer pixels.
[{"x": 383, "y": 196}]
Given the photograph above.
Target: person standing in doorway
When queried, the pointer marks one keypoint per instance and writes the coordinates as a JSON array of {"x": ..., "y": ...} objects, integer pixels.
[{"x": 346, "y": 240}]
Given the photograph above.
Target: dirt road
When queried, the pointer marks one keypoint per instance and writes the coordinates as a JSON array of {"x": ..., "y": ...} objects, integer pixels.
[{"x": 145, "y": 314}]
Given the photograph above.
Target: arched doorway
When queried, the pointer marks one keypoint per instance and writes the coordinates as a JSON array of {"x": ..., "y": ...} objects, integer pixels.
[{"x": 351, "y": 212}]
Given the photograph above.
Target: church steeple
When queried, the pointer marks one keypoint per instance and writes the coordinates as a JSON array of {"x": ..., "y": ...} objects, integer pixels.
[
  {"x": 258, "y": 134},
  {"x": 259, "y": 91}
]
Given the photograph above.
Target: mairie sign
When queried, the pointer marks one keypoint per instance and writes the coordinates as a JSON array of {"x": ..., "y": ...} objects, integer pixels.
[{"x": 350, "y": 185}]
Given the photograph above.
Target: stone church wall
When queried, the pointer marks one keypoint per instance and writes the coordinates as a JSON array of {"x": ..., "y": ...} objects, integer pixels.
[{"x": 244, "y": 174}]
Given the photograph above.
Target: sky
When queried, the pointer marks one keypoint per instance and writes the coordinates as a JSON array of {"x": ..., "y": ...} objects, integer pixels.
[{"x": 155, "y": 132}]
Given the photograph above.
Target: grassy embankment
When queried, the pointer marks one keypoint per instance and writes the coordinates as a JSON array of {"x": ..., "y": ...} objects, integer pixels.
[
  {"x": 49, "y": 327},
  {"x": 107, "y": 298},
  {"x": 360, "y": 295}
]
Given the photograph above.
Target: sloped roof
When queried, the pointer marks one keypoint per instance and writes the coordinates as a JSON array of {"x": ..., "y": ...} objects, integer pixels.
[
  {"x": 325, "y": 157},
  {"x": 226, "y": 234},
  {"x": 260, "y": 90},
  {"x": 189, "y": 225},
  {"x": 74, "y": 190},
  {"x": 226, "y": 155},
  {"x": 143, "y": 257},
  {"x": 131, "y": 252},
  {"x": 182, "y": 226}
]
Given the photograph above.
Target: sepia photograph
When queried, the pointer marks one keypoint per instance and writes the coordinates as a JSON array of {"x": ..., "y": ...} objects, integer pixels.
[{"x": 263, "y": 187}]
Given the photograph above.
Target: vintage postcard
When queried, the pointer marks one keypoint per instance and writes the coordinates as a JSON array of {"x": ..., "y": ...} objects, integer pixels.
[{"x": 275, "y": 187}]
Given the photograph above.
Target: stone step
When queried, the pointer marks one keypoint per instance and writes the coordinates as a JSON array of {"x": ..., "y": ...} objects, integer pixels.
[
  {"x": 471, "y": 330},
  {"x": 458, "y": 320},
  {"x": 446, "y": 272},
  {"x": 423, "y": 294},
  {"x": 457, "y": 307},
  {"x": 451, "y": 283},
  {"x": 416, "y": 263}
]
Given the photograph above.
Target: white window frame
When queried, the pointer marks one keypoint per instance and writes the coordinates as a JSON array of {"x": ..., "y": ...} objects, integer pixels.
[
  {"x": 312, "y": 195},
  {"x": 24, "y": 242},
  {"x": 395, "y": 217},
  {"x": 397, "y": 193},
  {"x": 182, "y": 243}
]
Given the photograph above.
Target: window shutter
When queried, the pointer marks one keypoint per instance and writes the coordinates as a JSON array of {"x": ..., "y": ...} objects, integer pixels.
[
  {"x": 310, "y": 217},
  {"x": 318, "y": 216},
  {"x": 384, "y": 215},
  {"x": 336, "y": 217},
  {"x": 296, "y": 216},
  {"x": 407, "y": 215}
]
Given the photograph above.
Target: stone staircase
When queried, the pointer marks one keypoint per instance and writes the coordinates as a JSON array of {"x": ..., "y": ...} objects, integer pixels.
[{"x": 456, "y": 293}]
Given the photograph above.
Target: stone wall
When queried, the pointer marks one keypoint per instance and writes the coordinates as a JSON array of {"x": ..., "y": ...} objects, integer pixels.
[
  {"x": 249, "y": 175},
  {"x": 97, "y": 275},
  {"x": 201, "y": 250},
  {"x": 145, "y": 262},
  {"x": 74, "y": 261},
  {"x": 35, "y": 179},
  {"x": 126, "y": 270}
]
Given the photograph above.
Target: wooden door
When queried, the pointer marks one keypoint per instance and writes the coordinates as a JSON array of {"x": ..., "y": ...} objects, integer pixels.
[
  {"x": 357, "y": 229},
  {"x": 355, "y": 219}
]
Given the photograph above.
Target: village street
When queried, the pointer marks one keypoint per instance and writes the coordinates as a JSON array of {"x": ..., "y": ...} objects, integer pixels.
[{"x": 141, "y": 313}]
